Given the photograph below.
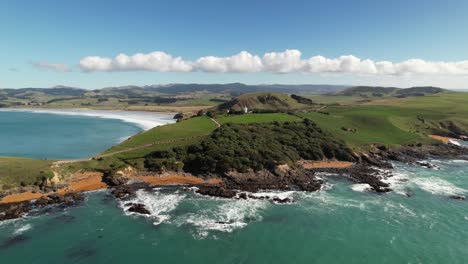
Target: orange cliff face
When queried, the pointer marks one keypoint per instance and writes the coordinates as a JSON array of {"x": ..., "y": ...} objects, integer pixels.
[
  {"x": 91, "y": 181},
  {"x": 81, "y": 182}
]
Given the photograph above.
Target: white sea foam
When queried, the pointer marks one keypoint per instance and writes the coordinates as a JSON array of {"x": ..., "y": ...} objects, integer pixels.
[
  {"x": 271, "y": 195},
  {"x": 398, "y": 182},
  {"x": 145, "y": 120},
  {"x": 361, "y": 187},
  {"x": 459, "y": 161},
  {"x": 23, "y": 229},
  {"x": 158, "y": 204},
  {"x": 438, "y": 186},
  {"x": 227, "y": 217},
  {"x": 454, "y": 142}
]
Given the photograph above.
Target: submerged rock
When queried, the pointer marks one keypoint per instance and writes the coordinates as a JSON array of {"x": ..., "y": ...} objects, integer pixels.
[
  {"x": 13, "y": 241},
  {"x": 458, "y": 197},
  {"x": 427, "y": 165},
  {"x": 279, "y": 200}
]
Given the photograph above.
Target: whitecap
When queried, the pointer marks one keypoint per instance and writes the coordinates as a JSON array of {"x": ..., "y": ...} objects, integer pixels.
[
  {"x": 227, "y": 217},
  {"x": 22, "y": 229},
  {"x": 398, "y": 182},
  {"x": 361, "y": 187},
  {"x": 438, "y": 186},
  {"x": 158, "y": 204}
]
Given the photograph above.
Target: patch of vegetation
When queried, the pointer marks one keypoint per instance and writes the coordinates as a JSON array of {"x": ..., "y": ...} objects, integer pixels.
[
  {"x": 16, "y": 171},
  {"x": 302, "y": 100},
  {"x": 240, "y": 147}
]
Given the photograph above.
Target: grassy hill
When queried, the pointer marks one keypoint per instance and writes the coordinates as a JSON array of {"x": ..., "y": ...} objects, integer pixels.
[{"x": 265, "y": 101}]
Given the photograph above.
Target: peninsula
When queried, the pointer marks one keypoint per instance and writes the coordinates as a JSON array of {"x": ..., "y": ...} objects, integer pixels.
[{"x": 255, "y": 141}]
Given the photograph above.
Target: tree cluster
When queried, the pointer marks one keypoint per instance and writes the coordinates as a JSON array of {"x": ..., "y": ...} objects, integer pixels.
[{"x": 241, "y": 147}]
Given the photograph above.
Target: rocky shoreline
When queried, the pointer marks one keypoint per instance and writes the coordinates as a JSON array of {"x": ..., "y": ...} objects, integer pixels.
[
  {"x": 235, "y": 185},
  {"x": 16, "y": 210}
]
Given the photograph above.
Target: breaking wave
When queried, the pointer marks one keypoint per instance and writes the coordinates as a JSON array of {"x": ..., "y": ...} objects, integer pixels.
[
  {"x": 158, "y": 204},
  {"x": 22, "y": 229},
  {"x": 438, "y": 186},
  {"x": 226, "y": 217}
]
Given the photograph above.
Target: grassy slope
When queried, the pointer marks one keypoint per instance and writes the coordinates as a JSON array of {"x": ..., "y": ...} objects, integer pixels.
[
  {"x": 14, "y": 170},
  {"x": 372, "y": 124},
  {"x": 256, "y": 118},
  {"x": 393, "y": 121},
  {"x": 192, "y": 127}
]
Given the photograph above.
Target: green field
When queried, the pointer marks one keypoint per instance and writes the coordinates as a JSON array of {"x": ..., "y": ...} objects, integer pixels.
[
  {"x": 256, "y": 118},
  {"x": 14, "y": 171},
  {"x": 367, "y": 125},
  {"x": 188, "y": 128}
]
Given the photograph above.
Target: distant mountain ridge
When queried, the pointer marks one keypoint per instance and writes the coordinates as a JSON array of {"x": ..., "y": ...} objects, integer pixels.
[
  {"x": 186, "y": 88},
  {"x": 378, "y": 91}
]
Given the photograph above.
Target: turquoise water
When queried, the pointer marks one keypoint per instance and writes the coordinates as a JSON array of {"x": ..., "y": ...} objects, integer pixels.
[
  {"x": 343, "y": 223},
  {"x": 54, "y": 136}
]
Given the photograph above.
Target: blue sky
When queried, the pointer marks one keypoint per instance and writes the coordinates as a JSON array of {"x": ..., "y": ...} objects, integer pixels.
[{"x": 46, "y": 43}]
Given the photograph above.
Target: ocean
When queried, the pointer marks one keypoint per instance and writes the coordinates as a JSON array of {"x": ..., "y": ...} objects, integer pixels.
[
  {"x": 418, "y": 222},
  {"x": 69, "y": 134}
]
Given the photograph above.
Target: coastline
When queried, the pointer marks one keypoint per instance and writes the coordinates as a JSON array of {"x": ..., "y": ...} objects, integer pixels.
[
  {"x": 143, "y": 119},
  {"x": 92, "y": 181}
]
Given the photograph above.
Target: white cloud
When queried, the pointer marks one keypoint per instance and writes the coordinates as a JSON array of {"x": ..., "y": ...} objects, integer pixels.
[
  {"x": 283, "y": 62},
  {"x": 155, "y": 61},
  {"x": 288, "y": 61},
  {"x": 59, "y": 67},
  {"x": 242, "y": 62}
]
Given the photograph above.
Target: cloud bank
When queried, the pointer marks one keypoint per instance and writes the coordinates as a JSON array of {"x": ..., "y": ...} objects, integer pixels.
[{"x": 288, "y": 61}]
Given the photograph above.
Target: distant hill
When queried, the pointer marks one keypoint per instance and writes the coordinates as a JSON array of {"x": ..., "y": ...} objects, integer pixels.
[
  {"x": 266, "y": 101},
  {"x": 151, "y": 95},
  {"x": 231, "y": 88},
  {"x": 377, "y": 91},
  {"x": 54, "y": 91}
]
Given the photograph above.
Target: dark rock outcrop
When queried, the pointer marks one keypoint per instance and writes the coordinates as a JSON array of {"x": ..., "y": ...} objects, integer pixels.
[
  {"x": 123, "y": 191},
  {"x": 13, "y": 211},
  {"x": 458, "y": 197},
  {"x": 17, "y": 210},
  {"x": 284, "y": 178},
  {"x": 70, "y": 199},
  {"x": 114, "y": 179},
  {"x": 138, "y": 208},
  {"x": 216, "y": 190}
]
